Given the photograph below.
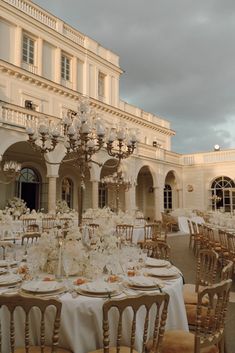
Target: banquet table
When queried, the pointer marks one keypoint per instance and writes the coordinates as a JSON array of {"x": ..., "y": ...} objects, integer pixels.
[
  {"x": 81, "y": 319},
  {"x": 183, "y": 222}
]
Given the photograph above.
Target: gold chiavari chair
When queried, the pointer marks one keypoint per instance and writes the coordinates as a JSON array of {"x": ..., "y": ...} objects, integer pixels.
[
  {"x": 28, "y": 221},
  {"x": 125, "y": 232},
  {"x": 48, "y": 223},
  {"x": 28, "y": 238},
  {"x": 157, "y": 249},
  {"x": 92, "y": 227},
  {"x": 29, "y": 304},
  {"x": 223, "y": 239},
  {"x": 118, "y": 307},
  {"x": 207, "y": 262},
  {"x": 209, "y": 334},
  {"x": 6, "y": 245},
  {"x": 231, "y": 246}
]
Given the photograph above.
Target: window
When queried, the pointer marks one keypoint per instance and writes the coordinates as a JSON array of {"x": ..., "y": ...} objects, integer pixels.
[
  {"x": 167, "y": 197},
  {"x": 101, "y": 85},
  {"x": 28, "y": 49},
  {"x": 67, "y": 191},
  {"x": 103, "y": 195},
  {"x": 222, "y": 194},
  {"x": 65, "y": 67}
]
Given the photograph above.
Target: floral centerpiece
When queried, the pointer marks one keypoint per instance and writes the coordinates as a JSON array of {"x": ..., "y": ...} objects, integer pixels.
[
  {"x": 62, "y": 207},
  {"x": 16, "y": 207}
]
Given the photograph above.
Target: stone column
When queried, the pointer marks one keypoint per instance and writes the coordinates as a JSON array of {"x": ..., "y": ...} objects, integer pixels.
[
  {"x": 39, "y": 56},
  {"x": 130, "y": 199},
  {"x": 58, "y": 65},
  {"x": 180, "y": 198},
  {"x": 158, "y": 202},
  {"x": 18, "y": 46},
  {"x": 52, "y": 193},
  {"x": 74, "y": 77},
  {"x": 95, "y": 194}
]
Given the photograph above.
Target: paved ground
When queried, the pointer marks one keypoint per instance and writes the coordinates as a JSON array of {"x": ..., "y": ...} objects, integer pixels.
[{"x": 183, "y": 258}]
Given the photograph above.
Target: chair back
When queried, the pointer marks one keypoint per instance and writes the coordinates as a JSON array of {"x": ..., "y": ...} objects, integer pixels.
[
  {"x": 152, "y": 231},
  {"x": 223, "y": 239},
  {"x": 207, "y": 262},
  {"x": 136, "y": 309},
  {"x": 33, "y": 309},
  {"x": 125, "y": 231},
  {"x": 157, "y": 249},
  {"x": 30, "y": 238},
  {"x": 6, "y": 245},
  {"x": 227, "y": 270},
  {"x": 92, "y": 227},
  {"x": 48, "y": 223},
  {"x": 27, "y": 221},
  {"x": 210, "y": 319},
  {"x": 231, "y": 246},
  {"x": 32, "y": 228}
]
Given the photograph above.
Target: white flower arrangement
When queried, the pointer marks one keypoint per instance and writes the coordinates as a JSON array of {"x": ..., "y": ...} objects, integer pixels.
[
  {"x": 16, "y": 207},
  {"x": 62, "y": 207}
]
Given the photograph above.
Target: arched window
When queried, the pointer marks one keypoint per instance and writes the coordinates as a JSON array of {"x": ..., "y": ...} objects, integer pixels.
[
  {"x": 222, "y": 193},
  {"x": 67, "y": 191},
  {"x": 28, "y": 187},
  {"x": 103, "y": 195},
  {"x": 167, "y": 197}
]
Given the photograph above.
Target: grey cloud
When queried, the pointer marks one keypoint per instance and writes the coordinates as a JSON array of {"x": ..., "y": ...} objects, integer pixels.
[{"x": 178, "y": 58}]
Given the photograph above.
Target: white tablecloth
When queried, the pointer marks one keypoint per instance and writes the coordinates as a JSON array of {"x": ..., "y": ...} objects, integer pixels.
[
  {"x": 183, "y": 223},
  {"x": 81, "y": 319}
]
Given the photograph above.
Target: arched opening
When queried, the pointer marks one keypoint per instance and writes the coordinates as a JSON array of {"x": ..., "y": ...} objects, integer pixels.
[
  {"x": 67, "y": 191},
  {"x": 145, "y": 193},
  {"x": 223, "y": 194},
  {"x": 170, "y": 192},
  {"x": 28, "y": 187},
  {"x": 167, "y": 197},
  {"x": 107, "y": 195}
]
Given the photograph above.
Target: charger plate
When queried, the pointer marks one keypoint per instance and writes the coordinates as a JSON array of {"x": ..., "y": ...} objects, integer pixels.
[
  {"x": 98, "y": 289},
  {"x": 9, "y": 279},
  {"x": 42, "y": 287},
  {"x": 150, "y": 262}
]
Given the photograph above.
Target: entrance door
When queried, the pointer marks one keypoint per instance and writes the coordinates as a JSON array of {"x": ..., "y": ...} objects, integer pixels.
[
  {"x": 28, "y": 188},
  {"x": 29, "y": 195}
]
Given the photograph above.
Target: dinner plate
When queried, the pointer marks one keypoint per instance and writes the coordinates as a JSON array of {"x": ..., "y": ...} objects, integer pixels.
[
  {"x": 9, "y": 279},
  {"x": 5, "y": 263},
  {"x": 3, "y": 271},
  {"x": 150, "y": 262},
  {"x": 99, "y": 288},
  {"x": 143, "y": 283},
  {"x": 163, "y": 272},
  {"x": 42, "y": 287}
]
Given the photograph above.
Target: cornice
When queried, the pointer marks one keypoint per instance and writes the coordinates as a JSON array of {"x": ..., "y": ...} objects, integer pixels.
[
  {"x": 21, "y": 74},
  {"x": 60, "y": 36}
]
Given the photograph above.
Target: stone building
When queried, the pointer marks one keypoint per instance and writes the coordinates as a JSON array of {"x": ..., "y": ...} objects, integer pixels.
[{"x": 46, "y": 67}]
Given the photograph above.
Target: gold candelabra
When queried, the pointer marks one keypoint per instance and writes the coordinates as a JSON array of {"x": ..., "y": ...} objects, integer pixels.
[
  {"x": 117, "y": 182},
  {"x": 10, "y": 169},
  {"x": 83, "y": 134}
]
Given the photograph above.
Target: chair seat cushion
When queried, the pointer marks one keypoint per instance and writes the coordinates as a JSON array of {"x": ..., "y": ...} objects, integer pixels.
[
  {"x": 182, "y": 342},
  {"x": 191, "y": 311},
  {"x": 37, "y": 349},
  {"x": 123, "y": 349}
]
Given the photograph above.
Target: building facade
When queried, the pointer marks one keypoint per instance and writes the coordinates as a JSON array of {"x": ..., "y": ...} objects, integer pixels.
[{"x": 46, "y": 67}]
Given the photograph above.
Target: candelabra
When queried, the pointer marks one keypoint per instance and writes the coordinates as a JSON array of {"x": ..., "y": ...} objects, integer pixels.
[
  {"x": 83, "y": 134},
  {"x": 215, "y": 199},
  {"x": 10, "y": 169},
  {"x": 117, "y": 182}
]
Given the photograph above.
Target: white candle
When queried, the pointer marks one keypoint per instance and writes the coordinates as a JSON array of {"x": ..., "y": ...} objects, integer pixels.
[{"x": 60, "y": 259}]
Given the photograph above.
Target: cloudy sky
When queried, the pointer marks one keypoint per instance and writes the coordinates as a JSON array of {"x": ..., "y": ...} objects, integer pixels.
[{"x": 178, "y": 57}]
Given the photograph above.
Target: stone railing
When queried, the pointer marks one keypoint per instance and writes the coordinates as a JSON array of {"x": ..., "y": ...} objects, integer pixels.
[
  {"x": 208, "y": 157},
  {"x": 48, "y": 20},
  {"x": 18, "y": 117},
  {"x": 34, "y": 11}
]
